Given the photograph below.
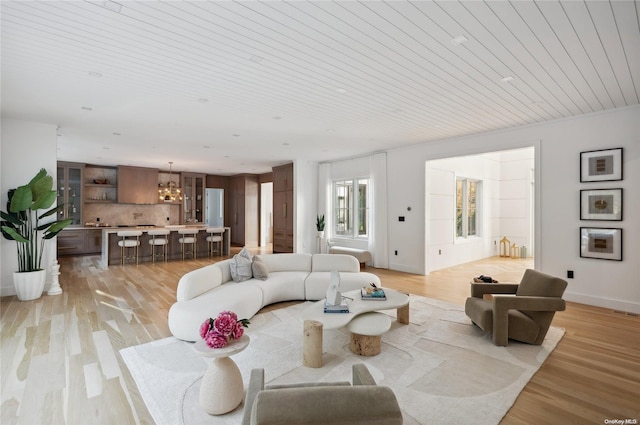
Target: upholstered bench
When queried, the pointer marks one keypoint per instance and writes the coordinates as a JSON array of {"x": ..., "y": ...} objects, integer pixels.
[
  {"x": 361, "y": 254},
  {"x": 366, "y": 332}
]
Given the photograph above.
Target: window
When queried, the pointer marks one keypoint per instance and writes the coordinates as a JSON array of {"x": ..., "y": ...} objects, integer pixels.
[
  {"x": 351, "y": 205},
  {"x": 467, "y": 195}
]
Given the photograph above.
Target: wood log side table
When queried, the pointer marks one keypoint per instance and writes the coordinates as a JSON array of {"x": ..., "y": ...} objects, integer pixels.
[{"x": 221, "y": 389}]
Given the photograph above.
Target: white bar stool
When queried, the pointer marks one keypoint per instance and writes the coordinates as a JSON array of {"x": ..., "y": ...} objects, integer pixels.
[
  {"x": 158, "y": 238},
  {"x": 130, "y": 239},
  {"x": 188, "y": 237},
  {"x": 215, "y": 239}
]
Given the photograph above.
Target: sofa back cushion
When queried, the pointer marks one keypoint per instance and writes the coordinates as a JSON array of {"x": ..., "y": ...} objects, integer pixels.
[
  {"x": 337, "y": 262},
  {"x": 287, "y": 262},
  {"x": 342, "y": 405},
  {"x": 225, "y": 269},
  {"x": 535, "y": 283},
  {"x": 199, "y": 281}
]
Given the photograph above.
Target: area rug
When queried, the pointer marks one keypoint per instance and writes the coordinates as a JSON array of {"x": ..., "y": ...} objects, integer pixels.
[{"x": 442, "y": 369}]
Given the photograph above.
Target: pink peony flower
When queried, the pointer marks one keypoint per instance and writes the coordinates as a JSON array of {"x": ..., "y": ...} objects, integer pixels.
[
  {"x": 225, "y": 323},
  {"x": 216, "y": 340},
  {"x": 238, "y": 331},
  {"x": 205, "y": 327},
  {"x": 217, "y": 332}
]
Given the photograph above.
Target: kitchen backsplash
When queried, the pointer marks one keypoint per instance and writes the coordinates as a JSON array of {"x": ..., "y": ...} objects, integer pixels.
[{"x": 125, "y": 214}]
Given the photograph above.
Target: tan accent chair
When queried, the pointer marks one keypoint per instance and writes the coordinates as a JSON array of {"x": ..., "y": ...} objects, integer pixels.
[
  {"x": 524, "y": 314},
  {"x": 336, "y": 403}
]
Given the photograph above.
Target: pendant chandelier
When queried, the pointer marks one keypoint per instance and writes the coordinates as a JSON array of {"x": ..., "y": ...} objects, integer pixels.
[{"x": 171, "y": 192}]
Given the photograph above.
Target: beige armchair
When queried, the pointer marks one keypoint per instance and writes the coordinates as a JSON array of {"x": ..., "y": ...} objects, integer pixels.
[
  {"x": 524, "y": 314},
  {"x": 335, "y": 403}
]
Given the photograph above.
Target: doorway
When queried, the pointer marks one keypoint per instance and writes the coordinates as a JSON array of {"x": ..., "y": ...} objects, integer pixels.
[{"x": 473, "y": 201}]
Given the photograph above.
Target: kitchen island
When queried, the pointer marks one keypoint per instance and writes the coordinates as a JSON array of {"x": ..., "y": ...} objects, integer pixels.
[{"x": 111, "y": 250}]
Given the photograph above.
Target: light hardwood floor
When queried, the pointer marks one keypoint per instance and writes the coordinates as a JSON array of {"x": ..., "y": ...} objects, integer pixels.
[{"x": 61, "y": 363}]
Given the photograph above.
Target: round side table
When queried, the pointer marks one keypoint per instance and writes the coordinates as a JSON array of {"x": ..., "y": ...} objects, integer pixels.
[{"x": 222, "y": 389}]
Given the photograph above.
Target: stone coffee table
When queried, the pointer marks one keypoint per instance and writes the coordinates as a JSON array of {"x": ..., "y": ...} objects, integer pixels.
[{"x": 315, "y": 319}]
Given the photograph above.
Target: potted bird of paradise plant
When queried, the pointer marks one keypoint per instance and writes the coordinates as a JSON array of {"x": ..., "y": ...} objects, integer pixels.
[{"x": 22, "y": 224}]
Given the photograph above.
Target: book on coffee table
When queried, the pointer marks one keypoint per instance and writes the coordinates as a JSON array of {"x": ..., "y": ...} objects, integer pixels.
[
  {"x": 340, "y": 308},
  {"x": 377, "y": 295}
]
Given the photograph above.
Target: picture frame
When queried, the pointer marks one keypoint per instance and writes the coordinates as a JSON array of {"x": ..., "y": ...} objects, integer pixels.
[
  {"x": 601, "y": 204},
  {"x": 601, "y": 243},
  {"x": 601, "y": 165}
]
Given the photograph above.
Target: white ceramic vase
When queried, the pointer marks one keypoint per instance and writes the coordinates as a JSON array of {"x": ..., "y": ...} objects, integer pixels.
[
  {"x": 321, "y": 234},
  {"x": 29, "y": 285}
]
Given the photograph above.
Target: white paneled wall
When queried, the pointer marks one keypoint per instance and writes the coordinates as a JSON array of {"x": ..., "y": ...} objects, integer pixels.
[{"x": 504, "y": 201}]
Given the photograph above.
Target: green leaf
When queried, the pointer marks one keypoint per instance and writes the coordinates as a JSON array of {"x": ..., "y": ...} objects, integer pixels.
[
  {"x": 56, "y": 226},
  {"x": 44, "y": 200},
  {"x": 52, "y": 211},
  {"x": 38, "y": 176},
  {"x": 15, "y": 235},
  {"x": 11, "y": 218},
  {"x": 21, "y": 200}
]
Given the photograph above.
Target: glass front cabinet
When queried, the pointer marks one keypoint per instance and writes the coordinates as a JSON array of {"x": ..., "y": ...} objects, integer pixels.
[
  {"x": 193, "y": 185},
  {"x": 69, "y": 186}
]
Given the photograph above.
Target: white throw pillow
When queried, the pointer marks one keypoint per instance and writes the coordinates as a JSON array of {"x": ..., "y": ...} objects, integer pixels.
[
  {"x": 240, "y": 267},
  {"x": 259, "y": 269}
]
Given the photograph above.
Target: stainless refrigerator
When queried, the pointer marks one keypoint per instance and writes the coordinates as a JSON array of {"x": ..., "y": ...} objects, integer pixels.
[{"x": 214, "y": 209}]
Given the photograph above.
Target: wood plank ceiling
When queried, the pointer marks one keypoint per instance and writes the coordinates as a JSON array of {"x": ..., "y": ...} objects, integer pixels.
[{"x": 230, "y": 87}]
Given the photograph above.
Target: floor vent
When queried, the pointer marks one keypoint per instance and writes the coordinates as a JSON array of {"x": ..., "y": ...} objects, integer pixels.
[{"x": 626, "y": 313}]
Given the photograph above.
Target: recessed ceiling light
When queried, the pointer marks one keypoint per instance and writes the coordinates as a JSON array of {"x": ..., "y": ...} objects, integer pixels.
[
  {"x": 203, "y": 100},
  {"x": 106, "y": 148},
  {"x": 227, "y": 156},
  {"x": 507, "y": 79},
  {"x": 207, "y": 147},
  {"x": 342, "y": 91},
  {"x": 235, "y": 135},
  {"x": 94, "y": 74},
  {"x": 277, "y": 118},
  {"x": 285, "y": 144},
  {"x": 256, "y": 58},
  {"x": 116, "y": 134},
  {"x": 459, "y": 40},
  {"x": 112, "y": 6},
  {"x": 86, "y": 108}
]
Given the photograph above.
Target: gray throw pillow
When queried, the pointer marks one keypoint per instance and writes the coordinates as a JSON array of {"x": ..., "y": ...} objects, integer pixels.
[
  {"x": 240, "y": 267},
  {"x": 259, "y": 269}
]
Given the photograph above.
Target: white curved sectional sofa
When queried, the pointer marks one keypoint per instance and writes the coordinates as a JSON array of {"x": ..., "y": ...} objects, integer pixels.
[{"x": 207, "y": 291}]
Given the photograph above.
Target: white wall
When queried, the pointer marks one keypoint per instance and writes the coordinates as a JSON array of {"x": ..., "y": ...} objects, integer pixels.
[
  {"x": 558, "y": 145},
  {"x": 26, "y": 148},
  {"x": 305, "y": 205}
]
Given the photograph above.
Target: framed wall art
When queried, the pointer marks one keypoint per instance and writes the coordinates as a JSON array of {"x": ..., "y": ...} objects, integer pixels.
[
  {"x": 601, "y": 166},
  {"x": 601, "y": 243},
  {"x": 601, "y": 204}
]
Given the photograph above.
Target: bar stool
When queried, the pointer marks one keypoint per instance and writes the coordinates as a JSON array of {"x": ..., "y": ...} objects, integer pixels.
[
  {"x": 130, "y": 239},
  {"x": 188, "y": 237},
  {"x": 158, "y": 238},
  {"x": 215, "y": 239}
]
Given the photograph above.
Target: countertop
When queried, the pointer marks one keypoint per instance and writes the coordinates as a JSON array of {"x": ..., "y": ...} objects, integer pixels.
[{"x": 133, "y": 227}]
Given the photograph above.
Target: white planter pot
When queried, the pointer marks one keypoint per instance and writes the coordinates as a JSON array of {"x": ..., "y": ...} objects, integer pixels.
[
  {"x": 321, "y": 233},
  {"x": 29, "y": 285}
]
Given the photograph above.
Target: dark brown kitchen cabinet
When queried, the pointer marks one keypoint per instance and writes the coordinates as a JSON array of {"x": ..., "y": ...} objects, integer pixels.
[
  {"x": 79, "y": 241},
  {"x": 137, "y": 185},
  {"x": 283, "y": 208}
]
